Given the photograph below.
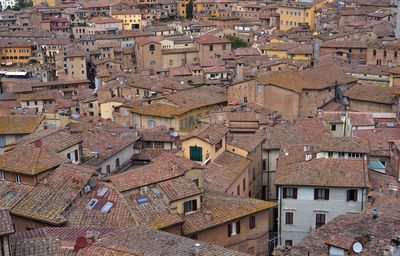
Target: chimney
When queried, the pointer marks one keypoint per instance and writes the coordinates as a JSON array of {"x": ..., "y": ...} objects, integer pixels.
[
  {"x": 38, "y": 143},
  {"x": 375, "y": 213},
  {"x": 173, "y": 209},
  {"x": 197, "y": 249},
  {"x": 208, "y": 216}
]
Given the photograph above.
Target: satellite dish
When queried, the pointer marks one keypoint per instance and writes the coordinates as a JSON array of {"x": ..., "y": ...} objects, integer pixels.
[{"x": 357, "y": 247}]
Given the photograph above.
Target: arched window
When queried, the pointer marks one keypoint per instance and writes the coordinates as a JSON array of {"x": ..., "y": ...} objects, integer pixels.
[{"x": 152, "y": 47}]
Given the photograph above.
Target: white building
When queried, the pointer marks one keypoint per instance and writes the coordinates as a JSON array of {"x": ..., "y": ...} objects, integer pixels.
[
  {"x": 7, "y": 3},
  {"x": 315, "y": 187}
]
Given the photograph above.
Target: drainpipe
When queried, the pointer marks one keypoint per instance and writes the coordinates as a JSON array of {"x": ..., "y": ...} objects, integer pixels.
[{"x": 280, "y": 216}]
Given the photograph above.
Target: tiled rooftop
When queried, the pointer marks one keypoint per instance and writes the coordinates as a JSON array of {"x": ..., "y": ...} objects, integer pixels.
[
  {"x": 30, "y": 159},
  {"x": 179, "y": 188},
  {"x": 140, "y": 240},
  {"x": 210, "y": 133},
  {"x": 48, "y": 200},
  {"x": 20, "y": 124},
  {"x": 222, "y": 208},
  {"x": 6, "y": 225}
]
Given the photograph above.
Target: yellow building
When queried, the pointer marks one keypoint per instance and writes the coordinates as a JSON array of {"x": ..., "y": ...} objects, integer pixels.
[
  {"x": 295, "y": 14},
  {"x": 46, "y": 2},
  {"x": 287, "y": 50},
  {"x": 15, "y": 52},
  {"x": 132, "y": 19},
  {"x": 182, "y": 8},
  {"x": 205, "y": 143}
]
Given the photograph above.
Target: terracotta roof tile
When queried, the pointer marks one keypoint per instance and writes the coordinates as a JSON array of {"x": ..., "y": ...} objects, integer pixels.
[
  {"x": 31, "y": 160},
  {"x": 145, "y": 175},
  {"x": 345, "y": 144},
  {"x": 48, "y": 200},
  {"x": 179, "y": 188},
  {"x": 331, "y": 172},
  {"x": 224, "y": 170},
  {"x": 20, "y": 124},
  {"x": 222, "y": 208},
  {"x": 140, "y": 240},
  {"x": 6, "y": 225},
  {"x": 119, "y": 214},
  {"x": 247, "y": 142},
  {"x": 210, "y": 133},
  {"x": 371, "y": 93}
]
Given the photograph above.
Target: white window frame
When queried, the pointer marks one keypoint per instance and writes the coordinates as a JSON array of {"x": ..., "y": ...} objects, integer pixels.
[
  {"x": 1, "y": 175},
  {"x": 17, "y": 179}
]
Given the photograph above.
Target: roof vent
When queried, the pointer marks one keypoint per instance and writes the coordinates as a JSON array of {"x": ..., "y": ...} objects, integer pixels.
[
  {"x": 375, "y": 213},
  {"x": 197, "y": 249}
]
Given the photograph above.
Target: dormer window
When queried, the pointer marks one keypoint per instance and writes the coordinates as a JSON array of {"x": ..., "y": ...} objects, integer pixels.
[{"x": 190, "y": 206}]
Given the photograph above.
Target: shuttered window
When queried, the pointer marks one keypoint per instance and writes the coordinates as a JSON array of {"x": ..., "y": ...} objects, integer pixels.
[
  {"x": 290, "y": 192},
  {"x": 319, "y": 220},
  {"x": 196, "y": 154},
  {"x": 352, "y": 194},
  {"x": 289, "y": 218},
  {"x": 321, "y": 194}
]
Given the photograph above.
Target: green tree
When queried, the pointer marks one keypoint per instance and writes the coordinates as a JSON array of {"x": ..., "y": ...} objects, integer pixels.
[
  {"x": 237, "y": 42},
  {"x": 189, "y": 10}
]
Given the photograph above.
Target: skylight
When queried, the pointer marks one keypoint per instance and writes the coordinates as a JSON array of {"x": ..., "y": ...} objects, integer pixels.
[
  {"x": 102, "y": 191},
  {"x": 142, "y": 200},
  {"x": 107, "y": 207},
  {"x": 92, "y": 203},
  {"x": 10, "y": 195}
]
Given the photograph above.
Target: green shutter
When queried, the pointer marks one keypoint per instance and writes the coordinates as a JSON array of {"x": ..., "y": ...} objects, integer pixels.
[{"x": 196, "y": 154}]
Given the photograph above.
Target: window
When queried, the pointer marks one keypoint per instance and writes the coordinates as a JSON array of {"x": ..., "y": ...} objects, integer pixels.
[
  {"x": 259, "y": 88},
  {"x": 321, "y": 194},
  {"x": 233, "y": 228},
  {"x": 289, "y": 192},
  {"x": 196, "y": 153},
  {"x": 189, "y": 206},
  {"x": 135, "y": 120},
  {"x": 107, "y": 207},
  {"x": 159, "y": 144},
  {"x": 108, "y": 168},
  {"x": 90, "y": 105},
  {"x": 254, "y": 173},
  {"x": 1, "y": 175},
  {"x": 211, "y": 48},
  {"x": 333, "y": 127},
  {"x": 117, "y": 162},
  {"x": 191, "y": 121},
  {"x": 341, "y": 154},
  {"x": 218, "y": 145},
  {"x": 306, "y": 14},
  {"x": 244, "y": 184},
  {"x": 151, "y": 123},
  {"x": 384, "y": 53},
  {"x": 355, "y": 155},
  {"x": 289, "y": 242},
  {"x": 352, "y": 195},
  {"x": 245, "y": 99},
  {"x": 17, "y": 179},
  {"x": 92, "y": 203},
  {"x": 2, "y": 141},
  {"x": 319, "y": 220},
  {"x": 152, "y": 47},
  {"x": 289, "y": 218},
  {"x": 223, "y": 47},
  {"x": 395, "y": 54},
  {"x": 252, "y": 222},
  {"x": 196, "y": 181},
  {"x": 330, "y": 154},
  {"x": 238, "y": 190}
]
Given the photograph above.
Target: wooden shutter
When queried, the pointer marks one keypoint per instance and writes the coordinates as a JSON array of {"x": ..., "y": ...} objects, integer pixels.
[
  {"x": 194, "y": 205},
  {"x": 284, "y": 192},
  {"x": 295, "y": 193},
  {"x": 348, "y": 194},
  {"x": 76, "y": 155},
  {"x": 315, "y": 193},
  {"x": 229, "y": 229},
  {"x": 326, "y": 194},
  {"x": 355, "y": 191},
  {"x": 238, "y": 227}
]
